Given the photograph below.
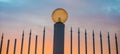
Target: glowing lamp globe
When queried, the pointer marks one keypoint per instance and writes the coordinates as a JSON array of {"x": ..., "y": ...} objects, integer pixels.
[{"x": 59, "y": 15}]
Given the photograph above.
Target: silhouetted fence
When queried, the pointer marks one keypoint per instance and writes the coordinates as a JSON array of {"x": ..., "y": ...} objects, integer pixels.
[{"x": 36, "y": 41}]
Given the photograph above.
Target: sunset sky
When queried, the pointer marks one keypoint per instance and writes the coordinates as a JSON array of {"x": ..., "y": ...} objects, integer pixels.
[{"x": 19, "y": 15}]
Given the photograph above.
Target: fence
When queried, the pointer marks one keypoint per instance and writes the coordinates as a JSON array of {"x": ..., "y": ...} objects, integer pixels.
[{"x": 36, "y": 43}]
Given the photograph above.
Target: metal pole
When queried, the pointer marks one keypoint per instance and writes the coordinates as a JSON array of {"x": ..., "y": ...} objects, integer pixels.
[
  {"x": 8, "y": 43},
  {"x": 109, "y": 44},
  {"x": 22, "y": 43},
  {"x": 86, "y": 41},
  {"x": 116, "y": 43},
  {"x": 93, "y": 43},
  {"x": 71, "y": 40},
  {"x": 15, "y": 46},
  {"x": 29, "y": 44},
  {"x": 1, "y": 43},
  {"x": 78, "y": 41},
  {"x": 101, "y": 42},
  {"x": 43, "y": 41},
  {"x": 36, "y": 44}
]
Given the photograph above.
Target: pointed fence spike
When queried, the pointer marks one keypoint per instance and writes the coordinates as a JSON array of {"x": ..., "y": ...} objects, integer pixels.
[
  {"x": 108, "y": 35},
  {"x": 23, "y": 33},
  {"x": 85, "y": 41},
  {"x": 43, "y": 41},
  {"x": 14, "y": 51},
  {"x": 22, "y": 42},
  {"x": 100, "y": 34},
  {"x": 30, "y": 31},
  {"x": 116, "y": 43},
  {"x": 8, "y": 43},
  {"x": 29, "y": 44},
  {"x": 71, "y": 29},
  {"x": 85, "y": 32},
  {"x": 101, "y": 42},
  {"x": 2, "y": 35},
  {"x": 1, "y": 43},
  {"x": 109, "y": 48},
  {"x": 36, "y": 40},
  {"x": 93, "y": 33},
  {"x": 78, "y": 40},
  {"x": 78, "y": 30},
  {"x": 115, "y": 36},
  {"x": 93, "y": 43},
  {"x": 44, "y": 29},
  {"x": 71, "y": 41}
]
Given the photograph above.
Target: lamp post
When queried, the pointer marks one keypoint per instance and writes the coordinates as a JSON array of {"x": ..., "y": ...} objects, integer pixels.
[{"x": 59, "y": 16}]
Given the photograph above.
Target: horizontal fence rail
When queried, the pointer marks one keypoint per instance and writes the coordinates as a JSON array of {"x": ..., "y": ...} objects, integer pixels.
[{"x": 71, "y": 40}]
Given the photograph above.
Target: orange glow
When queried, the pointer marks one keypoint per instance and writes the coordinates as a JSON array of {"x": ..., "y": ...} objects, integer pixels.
[
  {"x": 49, "y": 43},
  {"x": 59, "y": 15}
]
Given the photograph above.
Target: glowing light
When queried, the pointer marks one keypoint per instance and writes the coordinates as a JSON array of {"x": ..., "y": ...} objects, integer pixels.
[{"x": 59, "y": 15}]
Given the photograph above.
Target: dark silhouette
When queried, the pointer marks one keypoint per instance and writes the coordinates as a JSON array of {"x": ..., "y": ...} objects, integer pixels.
[
  {"x": 8, "y": 43},
  {"x": 85, "y": 41},
  {"x": 109, "y": 44},
  {"x": 1, "y": 43},
  {"x": 58, "y": 45},
  {"x": 71, "y": 40},
  {"x": 101, "y": 43},
  {"x": 93, "y": 42},
  {"x": 29, "y": 44},
  {"x": 116, "y": 43},
  {"x": 36, "y": 40},
  {"x": 22, "y": 43},
  {"x": 43, "y": 41},
  {"x": 15, "y": 41},
  {"x": 78, "y": 41}
]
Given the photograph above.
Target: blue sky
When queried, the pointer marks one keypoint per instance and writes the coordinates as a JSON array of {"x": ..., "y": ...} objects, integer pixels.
[
  {"x": 38, "y": 12},
  {"x": 13, "y": 10}
]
